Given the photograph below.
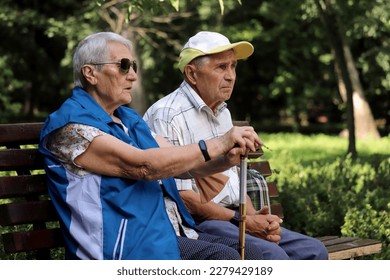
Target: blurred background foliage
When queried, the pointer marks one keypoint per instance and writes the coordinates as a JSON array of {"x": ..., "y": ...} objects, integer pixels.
[{"x": 289, "y": 83}]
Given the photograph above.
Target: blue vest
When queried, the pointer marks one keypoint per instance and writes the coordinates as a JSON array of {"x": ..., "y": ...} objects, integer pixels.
[{"x": 106, "y": 217}]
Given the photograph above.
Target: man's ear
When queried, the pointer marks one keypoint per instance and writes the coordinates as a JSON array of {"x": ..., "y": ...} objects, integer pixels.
[
  {"x": 190, "y": 73},
  {"x": 89, "y": 74}
]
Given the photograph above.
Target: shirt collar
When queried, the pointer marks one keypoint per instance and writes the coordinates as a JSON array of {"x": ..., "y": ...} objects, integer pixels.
[{"x": 197, "y": 101}]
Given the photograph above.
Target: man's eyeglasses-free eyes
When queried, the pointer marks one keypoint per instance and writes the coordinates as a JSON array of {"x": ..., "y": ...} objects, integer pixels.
[{"x": 124, "y": 63}]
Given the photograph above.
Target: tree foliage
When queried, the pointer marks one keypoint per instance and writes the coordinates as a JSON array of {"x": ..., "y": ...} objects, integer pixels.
[
  {"x": 290, "y": 81},
  {"x": 36, "y": 54}
]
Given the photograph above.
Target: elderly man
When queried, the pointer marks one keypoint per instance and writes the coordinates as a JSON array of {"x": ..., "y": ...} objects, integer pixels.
[
  {"x": 197, "y": 110},
  {"x": 110, "y": 178}
]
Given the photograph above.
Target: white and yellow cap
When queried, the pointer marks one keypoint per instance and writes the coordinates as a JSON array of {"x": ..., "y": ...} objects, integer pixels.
[{"x": 206, "y": 42}]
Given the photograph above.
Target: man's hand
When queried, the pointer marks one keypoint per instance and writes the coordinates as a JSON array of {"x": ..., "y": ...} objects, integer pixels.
[
  {"x": 241, "y": 138},
  {"x": 244, "y": 138},
  {"x": 264, "y": 225}
]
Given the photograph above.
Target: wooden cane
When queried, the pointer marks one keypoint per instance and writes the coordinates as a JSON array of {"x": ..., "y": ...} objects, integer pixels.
[{"x": 242, "y": 206}]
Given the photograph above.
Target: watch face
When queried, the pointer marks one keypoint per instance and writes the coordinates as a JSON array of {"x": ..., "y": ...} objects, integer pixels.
[{"x": 202, "y": 145}]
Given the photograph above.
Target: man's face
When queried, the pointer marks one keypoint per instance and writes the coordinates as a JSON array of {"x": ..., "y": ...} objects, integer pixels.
[
  {"x": 214, "y": 79},
  {"x": 114, "y": 88}
]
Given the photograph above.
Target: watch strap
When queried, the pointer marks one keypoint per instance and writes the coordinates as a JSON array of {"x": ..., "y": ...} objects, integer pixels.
[
  {"x": 203, "y": 149},
  {"x": 236, "y": 219}
]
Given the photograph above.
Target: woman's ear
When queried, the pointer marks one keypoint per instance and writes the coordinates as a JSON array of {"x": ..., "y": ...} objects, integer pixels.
[
  {"x": 89, "y": 74},
  {"x": 190, "y": 73}
]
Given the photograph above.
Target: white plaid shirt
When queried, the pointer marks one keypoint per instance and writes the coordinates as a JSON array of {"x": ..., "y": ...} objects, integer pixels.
[{"x": 183, "y": 118}]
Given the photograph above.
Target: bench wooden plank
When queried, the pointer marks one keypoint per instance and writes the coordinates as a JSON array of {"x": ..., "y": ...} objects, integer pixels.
[
  {"x": 28, "y": 212},
  {"x": 353, "y": 249},
  {"x": 277, "y": 209},
  {"x": 272, "y": 189},
  {"x": 17, "y": 242},
  {"x": 22, "y": 186},
  {"x": 16, "y": 159},
  {"x": 262, "y": 166},
  {"x": 25, "y": 209},
  {"x": 20, "y": 133},
  {"x": 334, "y": 240}
]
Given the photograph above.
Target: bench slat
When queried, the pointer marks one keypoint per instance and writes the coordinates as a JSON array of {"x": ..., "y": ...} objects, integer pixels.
[
  {"x": 22, "y": 186},
  {"x": 338, "y": 240},
  {"x": 272, "y": 189},
  {"x": 20, "y": 133},
  {"x": 240, "y": 123},
  {"x": 257, "y": 154},
  {"x": 27, "y": 212},
  {"x": 262, "y": 166},
  {"x": 16, "y": 242},
  {"x": 277, "y": 209},
  {"x": 14, "y": 159},
  {"x": 353, "y": 249}
]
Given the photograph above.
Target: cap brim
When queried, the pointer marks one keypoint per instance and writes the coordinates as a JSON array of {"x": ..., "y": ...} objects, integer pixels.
[{"x": 241, "y": 49}]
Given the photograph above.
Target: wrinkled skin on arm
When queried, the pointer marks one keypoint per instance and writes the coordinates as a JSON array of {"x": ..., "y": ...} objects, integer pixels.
[{"x": 110, "y": 156}]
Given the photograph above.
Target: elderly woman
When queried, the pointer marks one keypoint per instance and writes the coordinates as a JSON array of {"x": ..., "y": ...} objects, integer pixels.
[{"x": 110, "y": 177}]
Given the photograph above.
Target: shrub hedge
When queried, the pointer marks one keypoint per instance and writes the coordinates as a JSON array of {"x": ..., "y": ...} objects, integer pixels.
[{"x": 326, "y": 193}]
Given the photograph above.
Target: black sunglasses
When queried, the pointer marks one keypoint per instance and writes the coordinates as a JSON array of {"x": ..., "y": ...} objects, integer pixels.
[{"x": 124, "y": 63}]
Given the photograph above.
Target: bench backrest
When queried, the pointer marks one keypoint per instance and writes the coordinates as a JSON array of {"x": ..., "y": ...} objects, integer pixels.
[{"x": 28, "y": 219}]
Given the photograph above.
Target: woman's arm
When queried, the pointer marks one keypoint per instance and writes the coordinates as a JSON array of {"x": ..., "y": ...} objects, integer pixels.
[
  {"x": 110, "y": 156},
  {"x": 217, "y": 164}
]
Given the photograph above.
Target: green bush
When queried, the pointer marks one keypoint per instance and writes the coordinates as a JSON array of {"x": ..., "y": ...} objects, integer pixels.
[
  {"x": 325, "y": 193},
  {"x": 370, "y": 218}
]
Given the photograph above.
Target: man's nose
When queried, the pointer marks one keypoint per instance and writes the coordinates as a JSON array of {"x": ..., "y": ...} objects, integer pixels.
[{"x": 230, "y": 74}]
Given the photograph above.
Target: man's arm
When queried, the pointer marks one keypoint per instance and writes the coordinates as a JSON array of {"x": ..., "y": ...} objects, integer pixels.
[
  {"x": 204, "y": 211},
  {"x": 262, "y": 224},
  {"x": 222, "y": 162}
]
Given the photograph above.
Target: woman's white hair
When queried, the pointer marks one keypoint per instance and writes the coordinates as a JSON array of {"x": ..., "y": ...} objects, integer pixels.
[{"x": 94, "y": 49}]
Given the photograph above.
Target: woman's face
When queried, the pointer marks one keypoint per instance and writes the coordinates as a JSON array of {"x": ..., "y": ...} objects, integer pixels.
[{"x": 113, "y": 87}]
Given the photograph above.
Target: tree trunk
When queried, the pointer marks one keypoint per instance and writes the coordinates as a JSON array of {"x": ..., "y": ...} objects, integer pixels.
[
  {"x": 332, "y": 28},
  {"x": 364, "y": 123},
  {"x": 365, "y": 126}
]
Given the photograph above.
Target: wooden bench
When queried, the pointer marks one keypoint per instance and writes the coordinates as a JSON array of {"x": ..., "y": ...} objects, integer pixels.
[
  {"x": 339, "y": 248},
  {"x": 28, "y": 220},
  {"x": 29, "y": 223}
]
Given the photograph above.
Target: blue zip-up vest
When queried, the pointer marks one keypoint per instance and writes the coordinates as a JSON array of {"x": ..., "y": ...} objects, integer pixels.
[{"x": 106, "y": 217}]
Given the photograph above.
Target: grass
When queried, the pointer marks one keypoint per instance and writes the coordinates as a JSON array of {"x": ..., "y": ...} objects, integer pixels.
[{"x": 319, "y": 148}]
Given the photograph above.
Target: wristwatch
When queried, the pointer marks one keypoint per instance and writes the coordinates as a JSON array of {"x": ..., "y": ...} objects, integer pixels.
[
  {"x": 236, "y": 219},
  {"x": 203, "y": 149}
]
